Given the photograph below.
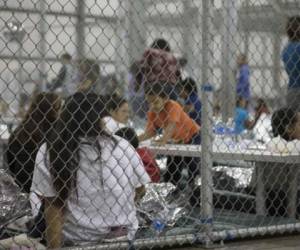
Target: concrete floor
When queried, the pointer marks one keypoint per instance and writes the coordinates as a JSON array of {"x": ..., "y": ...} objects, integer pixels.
[{"x": 277, "y": 243}]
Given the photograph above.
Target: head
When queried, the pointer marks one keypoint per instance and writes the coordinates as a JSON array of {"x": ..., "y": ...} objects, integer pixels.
[
  {"x": 66, "y": 58},
  {"x": 188, "y": 86},
  {"x": 262, "y": 106},
  {"x": 162, "y": 44},
  {"x": 293, "y": 28},
  {"x": 43, "y": 112},
  {"x": 156, "y": 97},
  {"x": 241, "y": 102},
  {"x": 286, "y": 123},
  {"x": 80, "y": 118},
  {"x": 119, "y": 109},
  {"x": 89, "y": 69},
  {"x": 129, "y": 135},
  {"x": 241, "y": 59}
]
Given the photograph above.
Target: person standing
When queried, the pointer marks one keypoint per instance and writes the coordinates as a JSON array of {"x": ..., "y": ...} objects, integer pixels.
[
  {"x": 67, "y": 78},
  {"x": 159, "y": 65},
  {"x": 291, "y": 60},
  {"x": 243, "y": 75}
]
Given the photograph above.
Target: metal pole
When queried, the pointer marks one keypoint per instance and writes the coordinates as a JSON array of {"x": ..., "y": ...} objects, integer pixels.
[
  {"x": 136, "y": 29},
  {"x": 120, "y": 56},
  {"x": 42, "y": 45},
  {"x": 206, "y": 131},
  {"x": 187, "y": 29},
  {"x": 196, "y": 238},
  {"x": 229, "y": 30},
  {"x": 80, "y": 33},
  {"x": 276, "y": 68}
]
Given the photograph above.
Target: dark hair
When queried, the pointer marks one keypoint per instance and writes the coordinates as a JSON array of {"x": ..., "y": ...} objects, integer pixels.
[
  {"x": 80, "y": 118},
  {"x": 66, "y": 56},
  {"x": 240, "y": 98},
  {"x": 115, "y": 102},
  {"x": 282, "y": 120},
  {"x": 90, "y": 69},
  {"x": 129, "y": 135},
  {"x": 189, "y": 85},
  {"x": 293, "y": 28},
  {"x": 162, "y": 44},
  {"x": 41, "y": 115},
  {"x": 157, "y": 89},
  {"x": 261, "y": 103}
]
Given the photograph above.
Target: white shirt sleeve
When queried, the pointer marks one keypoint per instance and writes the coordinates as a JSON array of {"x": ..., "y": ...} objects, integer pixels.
[
  {"x": 111, "y": 125},
  {"x": 42, "y": 183}
]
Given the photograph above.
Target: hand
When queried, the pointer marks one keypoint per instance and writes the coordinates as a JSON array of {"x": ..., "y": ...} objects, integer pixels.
[{"x": 159, "y": 142}]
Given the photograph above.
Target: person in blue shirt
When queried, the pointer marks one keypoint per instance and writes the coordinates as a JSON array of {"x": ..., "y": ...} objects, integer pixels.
[
  {"x": 242, "y": 121},
  {"x": 291, "y": 60},
  {"x": 192, "y": 103},
  {"x": 243, "y": 75}
]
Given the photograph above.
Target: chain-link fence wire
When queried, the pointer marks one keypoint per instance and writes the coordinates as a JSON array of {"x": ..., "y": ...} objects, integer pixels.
[{"x": 167, "y": 76}]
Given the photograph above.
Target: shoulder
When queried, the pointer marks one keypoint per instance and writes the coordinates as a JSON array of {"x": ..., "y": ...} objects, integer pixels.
[
  {"x": 245, "y": 68},
  {"x": 173, "y": 105}
]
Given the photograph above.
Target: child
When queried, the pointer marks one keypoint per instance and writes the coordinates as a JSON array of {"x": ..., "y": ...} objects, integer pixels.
[
  {"x": 177, "y": 126},
  {"x": 147, "y": 157},
  {"x": 241, "y": 118},
  {"x": 192, "y": 104}
]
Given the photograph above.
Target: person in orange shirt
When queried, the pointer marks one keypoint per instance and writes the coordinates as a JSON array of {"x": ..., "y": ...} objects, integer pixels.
[{"x": 177, "y": 127}]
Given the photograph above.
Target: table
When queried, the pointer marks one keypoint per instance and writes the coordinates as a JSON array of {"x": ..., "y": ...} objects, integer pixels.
[{"x": 259, "y": 156}]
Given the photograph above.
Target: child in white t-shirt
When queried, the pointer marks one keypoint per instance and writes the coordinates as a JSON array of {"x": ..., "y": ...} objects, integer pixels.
[{"x": 87, "y": 178}]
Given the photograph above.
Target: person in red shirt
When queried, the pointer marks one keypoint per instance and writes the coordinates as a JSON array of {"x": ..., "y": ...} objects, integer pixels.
[
  {"x": 159, "y": 65},
  {"x": 147, "y": 157},
  {"x": 177, "y": 127}
]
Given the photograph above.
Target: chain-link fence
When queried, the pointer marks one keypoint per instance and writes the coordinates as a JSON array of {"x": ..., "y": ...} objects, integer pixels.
[{"x": 136, "y": 124}]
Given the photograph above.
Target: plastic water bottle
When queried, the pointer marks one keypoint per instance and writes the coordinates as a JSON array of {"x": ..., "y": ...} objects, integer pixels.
[{"x": 158, "y": 226}]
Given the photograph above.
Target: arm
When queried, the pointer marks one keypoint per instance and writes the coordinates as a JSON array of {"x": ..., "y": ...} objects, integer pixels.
[
  {"x": 54, "y": 221},
  {"x": 58, "y": 81},
  {"x": 85, "y": 85},
  {"x": 188, "y": 108},
  {"x": 167, "y": 135},
  {"x": 148, "y": 134},
  {"x": 139, "y": 193},
  {"x": 251, "y": 124}
]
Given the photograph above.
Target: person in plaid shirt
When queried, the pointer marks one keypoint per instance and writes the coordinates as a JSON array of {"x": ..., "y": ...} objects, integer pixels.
[{"x": 159, "y": 65}]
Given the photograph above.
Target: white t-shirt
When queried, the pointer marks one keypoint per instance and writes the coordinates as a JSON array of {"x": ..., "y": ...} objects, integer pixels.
[
  {"x": 105, "y": 189},
  {"x": 111, "y": 125}
]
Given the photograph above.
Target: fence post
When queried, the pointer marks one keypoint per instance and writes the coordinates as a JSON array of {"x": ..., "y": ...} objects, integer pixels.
[
  {"x": 42, "y": 26},
  {"x": 206, "y": 131}
]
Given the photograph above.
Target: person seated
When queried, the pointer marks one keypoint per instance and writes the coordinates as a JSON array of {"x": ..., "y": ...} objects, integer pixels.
[
  {"x": 31, "y": 133},
  {"x": 241, "y": 117},
  {"x": 192, "y": 104},
  {"x": 147, "y": 157},
  {"x": 88, "y": 179},
  {"x": 262, "y": 129},
  {"x": 286, "y": 124},
  {"x": 177, "y": 127},
  {"x": 89, "y": 73},
  {"x": 118, "y": 117}
]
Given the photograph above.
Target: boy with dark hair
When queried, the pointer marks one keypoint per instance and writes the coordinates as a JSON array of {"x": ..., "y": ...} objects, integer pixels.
[
  {"x": 147, "y": 157},
  {"x": 177, "y": 127}
]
